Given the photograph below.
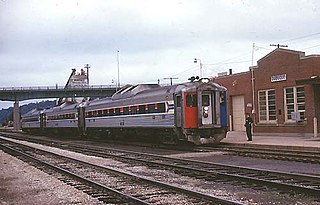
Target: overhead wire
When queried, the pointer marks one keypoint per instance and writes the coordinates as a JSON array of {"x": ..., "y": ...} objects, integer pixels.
[{"x": 227, "y": 61}]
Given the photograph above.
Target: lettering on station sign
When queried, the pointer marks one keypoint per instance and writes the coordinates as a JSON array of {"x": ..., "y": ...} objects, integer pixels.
[{"x": 277, "y": 78}]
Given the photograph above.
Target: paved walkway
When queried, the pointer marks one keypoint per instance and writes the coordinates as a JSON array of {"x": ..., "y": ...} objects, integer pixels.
[{"x": 265, "y": 140}]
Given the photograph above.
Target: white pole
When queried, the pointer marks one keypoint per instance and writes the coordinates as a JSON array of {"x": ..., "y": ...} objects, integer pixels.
[
  {"x": 230, "y": 122},
  {"x": 315, "y": 127},
  {"x": 253, "y": 92}
]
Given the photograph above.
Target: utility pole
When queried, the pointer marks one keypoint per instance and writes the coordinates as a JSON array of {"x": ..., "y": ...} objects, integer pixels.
[
  {"x": 253, "y": 90},
  {"x": 87, "y": 66},
  {"x": 279, "y": 45},
  {"x": 253, "y": 47},
  {"x": 170, "y": 79}
]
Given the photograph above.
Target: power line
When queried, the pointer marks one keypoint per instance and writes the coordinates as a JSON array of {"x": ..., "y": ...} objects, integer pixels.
[
  {"x": 311, "y": 47},
  {"x": 226, "y": 61},
  {"x": 235, "y": 62},
  {"x": 301, "y": 37}
]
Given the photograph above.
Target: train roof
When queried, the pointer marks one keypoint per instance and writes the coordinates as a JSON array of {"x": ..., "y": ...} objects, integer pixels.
[
  {"x": 149, "y": 90},
  {"x": 129, "y": 91},
  {"x": 31, "y": 113}
]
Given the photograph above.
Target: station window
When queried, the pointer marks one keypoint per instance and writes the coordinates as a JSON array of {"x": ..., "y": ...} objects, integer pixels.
[
  {"x": 267, "y": 106},
  {"x": 191, "y": 100},
  {"x": 294, "y": 102}
]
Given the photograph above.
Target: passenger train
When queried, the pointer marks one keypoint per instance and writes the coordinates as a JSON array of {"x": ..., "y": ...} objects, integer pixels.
[{"x": 193, "y": 112}]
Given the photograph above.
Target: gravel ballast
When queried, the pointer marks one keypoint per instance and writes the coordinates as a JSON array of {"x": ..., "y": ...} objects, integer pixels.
[{"x": 21, "y": 183}]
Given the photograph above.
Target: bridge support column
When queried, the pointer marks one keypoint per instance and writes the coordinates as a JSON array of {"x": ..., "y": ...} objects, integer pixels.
[{"x": 16, "y": 116}]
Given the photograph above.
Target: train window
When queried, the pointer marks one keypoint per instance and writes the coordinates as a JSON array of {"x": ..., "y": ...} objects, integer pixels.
[
  {"x": 100, "y": 113},
  {"x": 192, "y": 100},
  {"x": 105, "y": 112},
  {"x": 117, "y": 111},
  {"x": 161, "y": 107},
  {"x": 133, "y": 110},
  {"x": 178, "y": 101},
  {"x": 126, "y": 110},
  {"x": 142, "y": 109},
  {"x": 205, "y": 100},
  {"x": 152, "y": 108},
  {"x": 111, "y": 112},
  {"x": 222, "y": 100}
]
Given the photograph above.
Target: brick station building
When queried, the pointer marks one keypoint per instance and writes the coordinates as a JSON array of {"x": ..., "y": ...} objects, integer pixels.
[{"x": 283, "y": 97}]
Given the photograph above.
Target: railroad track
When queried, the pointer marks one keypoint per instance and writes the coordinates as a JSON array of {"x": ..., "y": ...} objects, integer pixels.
[
  {"x": 218, "y": 173},
  {"x": 122, "y": 188},
  {"x": 287, "y": 182},
  {"x": 278, "y": 153}
]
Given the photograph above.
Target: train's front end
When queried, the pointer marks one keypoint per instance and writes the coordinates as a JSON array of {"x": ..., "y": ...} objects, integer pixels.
[{"x": 201, "y": 112}]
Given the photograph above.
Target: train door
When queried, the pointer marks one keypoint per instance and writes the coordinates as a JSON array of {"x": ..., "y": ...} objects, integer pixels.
[
  {"x": 81, "y": 120},
  {"x": 207, "y": 108},
  {"x": 178, "y": 110},
  {"x": 190, "y": 110}
]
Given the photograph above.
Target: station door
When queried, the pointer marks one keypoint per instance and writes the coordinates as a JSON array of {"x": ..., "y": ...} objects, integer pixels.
[{"x": 238, "y": 115}]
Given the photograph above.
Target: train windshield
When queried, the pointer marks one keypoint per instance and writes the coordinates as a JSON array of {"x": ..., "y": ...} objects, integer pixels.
[
  {"x": 192, "y": 100},
  {"x": 205, "y": 100}
]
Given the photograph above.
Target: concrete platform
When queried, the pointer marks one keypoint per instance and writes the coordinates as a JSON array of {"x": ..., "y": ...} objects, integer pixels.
[{"x": 291, "y": 142}]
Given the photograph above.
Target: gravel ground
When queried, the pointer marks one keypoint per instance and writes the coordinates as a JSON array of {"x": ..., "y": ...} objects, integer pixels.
[
  {"x": 246, "y": 196},
  {"x": 21, "y": 183},
  {"x": 269, "y": 164}
]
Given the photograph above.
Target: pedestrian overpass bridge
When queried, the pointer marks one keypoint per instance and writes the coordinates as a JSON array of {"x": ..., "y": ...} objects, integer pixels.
[
  {"x": 27, "y": 93},
  {"x": 17, "y": 94}
]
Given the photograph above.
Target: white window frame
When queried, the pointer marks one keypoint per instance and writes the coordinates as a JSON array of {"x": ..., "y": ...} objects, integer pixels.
[
  {"x": 295, "y": 103},
  {"x": 267, "y": 120}
]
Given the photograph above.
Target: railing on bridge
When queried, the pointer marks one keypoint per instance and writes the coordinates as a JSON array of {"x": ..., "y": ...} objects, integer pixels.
[
  {"x": 38, "y": 92},
  {"x": 57, "y": 87}
]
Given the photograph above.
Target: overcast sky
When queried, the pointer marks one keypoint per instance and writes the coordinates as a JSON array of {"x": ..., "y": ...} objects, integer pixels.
[{"x": 41, "y": 41}]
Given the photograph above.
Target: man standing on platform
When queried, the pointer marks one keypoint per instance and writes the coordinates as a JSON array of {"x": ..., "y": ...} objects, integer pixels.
[{"x": 248, "y": 126}]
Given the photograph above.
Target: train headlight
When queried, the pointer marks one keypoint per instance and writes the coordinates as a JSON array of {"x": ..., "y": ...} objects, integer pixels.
[
  {"x": 205, "y": 80},
  {"x": 205, "y": 112}
]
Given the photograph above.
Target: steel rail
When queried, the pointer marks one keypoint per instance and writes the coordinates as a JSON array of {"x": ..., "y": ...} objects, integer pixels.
[
  {"x": 198, "y": 195},
  {"x": 104, "y": 191},
  {"x": 286, "y": 181},
  {"x": 260, "y": 152}
]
